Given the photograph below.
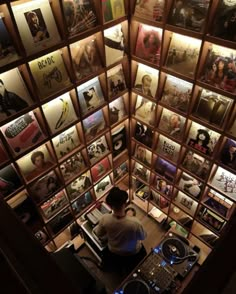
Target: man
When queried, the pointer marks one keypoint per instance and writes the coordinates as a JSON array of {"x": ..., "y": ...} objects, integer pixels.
[
  {"x": 40, "y": 164},
  {"x": 145, "y": 86},
  {"x": 123, "y": 233}
]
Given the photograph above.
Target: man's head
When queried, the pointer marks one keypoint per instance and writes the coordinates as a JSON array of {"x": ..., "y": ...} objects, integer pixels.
[
  {"x": 116, "y": 198},
  {"x": 2, "y": 88},
  {"x": 37, "y": 158}
]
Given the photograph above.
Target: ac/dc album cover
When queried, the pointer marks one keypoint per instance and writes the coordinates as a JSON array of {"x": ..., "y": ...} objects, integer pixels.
[
  {"x": 82, "y": 202},
  {"x": 22, "y": 133},
  {"x": 72, "y": 166},
  {"x": 165, "y": 169},
  {"x": 65, "y": 142},
  {"x": 36, "y": 25},
  {"x": 102, "y": 187},
  {"x": 172, "y": 124},
  {"x": 224, "y": 181},
  {"x": 79, "y": 185},
  {"x": 49, "y": 74},
  {"x": 145, "y": 110},
  {"x": 85, "y": 57},
  {"x": 211, "y": 219},
  {"x": 202, "y": 139},
  {"x": 177, "y": 93},
  {"x": 168, "y": 148},
  {"x": 224, "y": 25},
  {"x": 189, "y": 14},
  {"x": 196, "y": 164},
  {"x": 159, "y": 200},
  {"x": 148, "y": 44},
  {"x": 150, "y": 9},
  {"x": 119, "y": 142},
  {"x": 212, "y": 107},
  {"x": 220, "y": 68},
  {"x": 3, "y": 154},
  {"x": 90, "y": 95},
  {"x": 9, "y": 181},
  {"x": 117, "y": 110},
  {"x": 97, "y": 149},
  {"x": 59, "y": 112},
  {"x": 143, "y": 134},
  {"x": 116, "y": 80},
  {"x": 42, "y": 188},
  {"x": 94, "y": 124},
  {"x": 190, "y": 185},
  {"x": 183, "y": 54},
  {"x": 79, "y": 15},
  {"x": 14, "y": 96},
  {"x": 100, "y": 169},
  {"x": 144, "y": 155},
  {"x": 228, "y": 154},
  {"x": 60, "y": 221},
  {"x": 112, "y": 9},
  {"x": 146, "y": 81},
  {"x": 141, "y": 172},
  {"x": 35, "y": 163},
  {"x": 54, "y": 204},
  {"x": 8, "y": 52},
  {"x": 120, "y": 171},
  {"x": 163, "y": 187},
  {"x": 186, "y": 203}
]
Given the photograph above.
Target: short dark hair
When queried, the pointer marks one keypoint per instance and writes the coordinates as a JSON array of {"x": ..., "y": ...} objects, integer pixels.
[
  {"x": 36, "y": 154},
  {"x": 116, "y": 198}
]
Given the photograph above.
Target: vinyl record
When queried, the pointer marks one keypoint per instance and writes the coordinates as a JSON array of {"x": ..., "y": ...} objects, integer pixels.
[{"x": 118, "y": 145}]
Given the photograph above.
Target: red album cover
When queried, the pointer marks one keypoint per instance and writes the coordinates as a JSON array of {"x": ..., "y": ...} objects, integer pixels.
[{"x": 100, "y": 169}]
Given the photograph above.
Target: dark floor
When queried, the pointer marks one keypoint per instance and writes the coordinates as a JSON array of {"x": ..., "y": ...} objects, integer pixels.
[{"x": 111, "y": 280}]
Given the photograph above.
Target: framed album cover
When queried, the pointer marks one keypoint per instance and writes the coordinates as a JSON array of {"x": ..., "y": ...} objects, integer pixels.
[
  {"x": 228, "y": 154},
  {"x": 97, "y": 150},
  {"x": 202, "y": 139},
  {"x": 100, "y": 169},
  {"x": 90, "y": 95},
  {"x": 145, "y": 110},
  {"x": 59, "y": 112},
  {"x": 116, "y": 80},
  {"x": 119, "y": 142},
  {"x": 143, "y": 134},
  {"x": 211, "y": 219},
  {"x": 82, "y": 202},
  {"x": 165, "y": 169},
  {"x": 117, "y": 110},
  {"x": 9, "y": 181},
  {"x": 144, "y": 155},
  {"x": 163, "y": 186},
  {"x": 150, "y": 9},
  {"x": 177, "y": 93},
  {"x": 120, "y": 171},
  {"x": 65, "y": 142},
  {"x": 141, "y": 172},
  {"x": 112, "y": 9},
  {"x": 168, "y": 148},
  {"x": 103, "y": 186},
  {"x": 172, "y": 124},
  {"x": 186, "y": 203},
  {"x": 148, "y": 44},
  {"x": 15, "y": 96},
  {"x": 94, "y": 124},
  {"x": 190, "y": 185},
  {"x": 60, "y": 221},
  {"x": 159, "y": 200}
]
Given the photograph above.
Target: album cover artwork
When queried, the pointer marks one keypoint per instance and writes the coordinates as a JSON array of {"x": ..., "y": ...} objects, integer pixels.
[
  {"x": 145, "y": 110},
  {"x": 79, "y": 15},
  {"x": 183, "y": 54},
  {"x": 14, "y": 96},
  {"x": 212, "y": 107},
  {"x": 165, "y": 169},
  {"x": 159, "y": 200},
  {"x": 168, "y": 148},
  {"x": 120, "y": 171},
  {"x": 150, "y": 9},
  {"x": 93, "y": 125},
  {"x": 8, "y": 52},
  {"x": 106, "y": 10},
  {"x": 172, "y": 124},
  {"x": 189, "y": 14},
  {"x": 140, "y": 189},
  {"x": 54, "y": 204},
  {"x": 202, "y": 139},
  {"x": 224, "y": 25},
  {"x": 163, "y": 187},
  {"x": 148, "y": 45},
  {"x": 177, "y": 93},
  {"x": 72, "y": 166},
  {"x": 115, "y": 46},
  {"x": 90, "y": 95},
  {"x": 102, "y": 187},
  {"x": 119, "y": 142},
  {"x": 232, "y": 128},
  {"x": 35, "y": 163},
  {"x": 49, "y": 74},
  {"x": 112, "y": 9},
  {"x": 36, "y": 25},
  {"x": 60, "y": 221},
  {"x": 211, "y": 219},
  {"x": 3, "y": 154},
  {"x": 82, "y": 202},
  {"x": 196, "y": 164},
  {"x": 42, "y": 188},
  {"x": 228, "y": 153},
  {"x": 146, "y": 81},
  {"x": 65, "y": 142},
  {"x": 141, "y": 172},
  {"x": 224, "y": 181},
  {"x": 220, "y": 68},
  {"x": 9, "y": 181},
  {"x": 116, "y": 80},
  {"x": 100, "y": 169},
  {"x": 85, "y": 57},
  {"x": 117, "y": 110},
  {"x": 22, "y": 133},
  {"x": 97, "y": 150},
  {"x": 190, "y": 185},
  {"x": 59, "y": 112},
  {"x": 186, "y": 203},
  {"x": 144, "y": 155},
  {"x": 79, "y": 185},
  {"x": 143, "y": 134}
]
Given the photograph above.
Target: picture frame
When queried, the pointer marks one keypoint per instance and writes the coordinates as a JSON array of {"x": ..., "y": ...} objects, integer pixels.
[
  {"x": 116, "y": 81},
  {"x": 141, "y": 172},
  {"x": 82, "y": 202},
  {"x": 165, "y": 169},
  {"x": 227, "y": 154},
  {"x": 100, "y": 169},
  {"x": 143, "y": 155},
  {"x": 151, "y": 10},
  {"x": 120, "y": 171},
  {"x": 117, "y": 110},
  {"x": 97, "y": 150},
  {"x": 9, "y": 181},
  {"x": 168, "y": 148},
  {"x": 145, "y": 110},
  {"x": 119, "y": 140},
  {"x": 190, "y": 185},
  {"x": 93, "y": 125},
  {"x": 102, "y": 186}
]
